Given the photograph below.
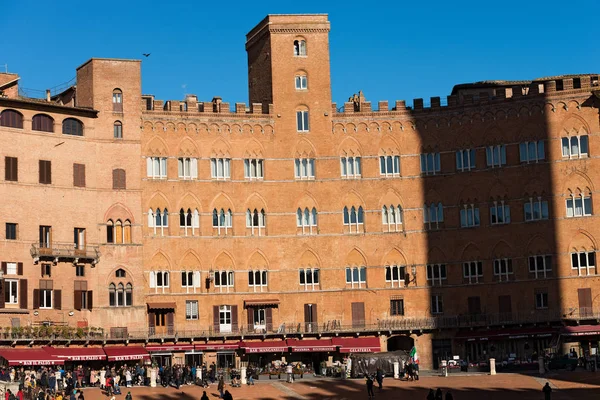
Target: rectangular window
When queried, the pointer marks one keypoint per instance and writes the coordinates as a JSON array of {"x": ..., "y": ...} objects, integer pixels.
[
  {"x": 465, "y": 160},
  {"x": 436, "y": 273},
  {"x": 532, "y": 152},
  {"x": 469, "y": 216},
  {"x": 159, "y": 279},
  {"x": 430, "y": 163},
  {"x": 79, "y": 270},
  {"x": 356, "y": 276},
  {"x": 45, "y": 298},
  {"x": 503, "y": 269},
  {"x": 11, "y": 291},
  {"x": 350, "y": 167},
  {"x": 304, "y": 168},
  {"x": 225, "y": 319},
  {"x": 253, "y": 168},
  {"x": 220, "y": 168},
  {"x": 499, "y": 213},
  {"x": 45, "y": 172},
  {"x": 389, "y": 165},
  {"x": 302, "y": 121},
  {"x": 536, "y": 209},
  {"x": 309, "y": 278},
  {"x": 540, "y": 266},
  {"x": 395, "y": 274},
  {"x": 11, "y": 231},
  {"x": 301, "y": 82},
  {"x": 397, "y": 307},
  {"x": 191, "y": 309},
  {"x": 473, "y": 271},
  {"x": 156, "y": 167},
  {"x": 46, "y": 270},
  {"x": 541, "y": 300},
  {"x": 118, "y": 131},
  {"x": 45, "y": 236},
  {"x": 579, "y": 206},
  {"x": 11, "y": 170},
  {"x": 187, "y": 168},
  {"x": 259, "y": 317},
  {"x": 257, "y": 278},
  {"x": 79, "y": 175},
  {"x": 575, "y": 146},
  {"x": 11, "y": 268},
  {"x": 433, "y": 215},
  {"x": 584, "y": 263},
  {"x": 496, "y": 156},
  {"x": 223, "y": 278},
  {"x": 437, "y": 304}
]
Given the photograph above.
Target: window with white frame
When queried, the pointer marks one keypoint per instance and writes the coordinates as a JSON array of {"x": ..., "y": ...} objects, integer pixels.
[
  {"x": 191, "y": 309},
  {"x": 190, "y": 280},
  {"x": 45, "y": 298},
  {"x": 253, "y": 168},
  {"x": 356, "y": 276},
  {"x": 11, "y": 291},
  {"x": 156, "y": 167},
  {"x": 437, "y": 304},
  {"x": 158, "y": 219},
  {"x": 503, "y": 269},
  {"x": 535, "y": 209},
  {"x": 541, "y": 299},
  {"x": 306, "y": 220},
  {"x": 430, "y": 163},
  {"x": 540, "y": 266},
  {"x": 11, "y": 268},
  {"x": 389, "y": 165},
  {"x": 187, "y": 168},
  {"x": 222, "y": 220},
  {"x": 224, "y": 279},
  {"x": 299, "y": 48},
  {"x": 584, "y": 262},
  {"x": 495, "y": 155},
  {"x": 579, "y": 205},
  {"x": 465, "y": 160},
  {"x": 225, "y": 319},
  {"x": 159, "y": 279},
  {"x": 354, "y": 218},
  {"x": 257, "y": 279},
  {"x": 309, "y": 278},
  {"x": 469, "y": 216},
  {"x": 391, "y": 218},
  {"x": 189, "y": 220},
  {"x": 473, "y": 271},
  {"x": 433, "y": 215},
  {"x": 395, "y": 274},
  {"x": 259, "y": 318},
  {"x": 255, "y": 220},
  {"x": 301, "y": 82},
  {"x": 575, "y": 146},
  {"x": 304, "y": 168},
  {"x": 499, "y": 213},
  {"x": 220, "y": 168},
  {"x": 350, "y": 167},
  {"x": 302, "y": 121},
  {"x": 436, "y": 274},
  {"x": 532, "y": 152}
]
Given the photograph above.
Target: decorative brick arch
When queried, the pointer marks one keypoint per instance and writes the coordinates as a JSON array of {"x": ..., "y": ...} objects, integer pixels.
[{"x": 119, "y": 211}]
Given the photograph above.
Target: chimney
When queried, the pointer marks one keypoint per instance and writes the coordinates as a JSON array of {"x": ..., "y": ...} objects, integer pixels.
[{"x": 48, "y": 95}]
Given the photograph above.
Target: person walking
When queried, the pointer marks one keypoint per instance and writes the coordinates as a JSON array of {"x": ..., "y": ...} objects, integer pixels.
[
  {"x": 370, "y": 387},
  {"x": 221, "y": 386},
  {"x": 289, "y": 370},
  {"x": 379, "y": 377},
  {"x": 547, "y": 391}
]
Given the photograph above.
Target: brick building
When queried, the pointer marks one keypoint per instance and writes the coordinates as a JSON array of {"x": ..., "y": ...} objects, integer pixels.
[{"x": 464, "y": 226}]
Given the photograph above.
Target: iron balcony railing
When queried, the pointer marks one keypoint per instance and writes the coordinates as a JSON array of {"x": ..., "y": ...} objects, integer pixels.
[{"x": 64, "y": 252}]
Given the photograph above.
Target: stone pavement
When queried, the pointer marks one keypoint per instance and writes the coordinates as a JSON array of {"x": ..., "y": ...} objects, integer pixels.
[{"x": 576, "y": 385}]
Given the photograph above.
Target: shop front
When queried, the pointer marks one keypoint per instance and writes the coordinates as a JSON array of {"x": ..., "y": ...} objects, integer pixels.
[
  {"x": 166, "y": 355},
  {"x": 28, "y": 358},
  {"x": 311, "y": 353},
  {"x": 586, "y": 338},
  {"x": 126, "y": 354},
  {"x": 73, "y": 357},
  {"x": 222, "y": 354}
]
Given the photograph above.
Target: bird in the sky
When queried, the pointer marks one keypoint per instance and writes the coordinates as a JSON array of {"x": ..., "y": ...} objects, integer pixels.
[{"x": 146, "y": 54}]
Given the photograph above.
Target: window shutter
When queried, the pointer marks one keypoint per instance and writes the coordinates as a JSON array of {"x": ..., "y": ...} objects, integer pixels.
[
  {"x": 151, "y": 321},
  {"x": 115, "y": 179},
  {"x": 194, "y": 168},
  {"x": 269, "y": 316},
  {"x": 122, "y": 179},
  {"x": 163, "y": 167},
  {"x": 4, "y": 268},
  {"x": 234, "y": 318},
  {"x": 250, "y": 319},
  {"x": 216, "y": 318},
  {"x": 90, "y": 298},
  {"x": 307, "y": 315},
  {"x": 148, "y": 166},
  {"x": 42, "y": 171},
  {"x": 20, "y": 268},
  {"x": 23, "y": 294},
  {"x": 2, "y": 299},
  {"x": 314, "y": 314},
  {"x": 180, "y": 167},
  {"x": 77, "y": 300},
  {"x": 170, "y": 319},
  {"x": 196, "y": 279},
  {"x": 41, "y": 270},
  {"x": 58, "y": 299},
  {"x": 358, "y": 315},
  {"x": 36, "y": 299},
  {"x": 152, "y": 280}
]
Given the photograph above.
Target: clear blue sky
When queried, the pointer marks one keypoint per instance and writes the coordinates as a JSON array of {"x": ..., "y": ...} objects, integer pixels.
[{"x": 392, "y": 50}]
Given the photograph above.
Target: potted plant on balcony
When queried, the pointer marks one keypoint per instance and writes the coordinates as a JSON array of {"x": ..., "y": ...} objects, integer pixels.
[{"x": 7, "y": 332}]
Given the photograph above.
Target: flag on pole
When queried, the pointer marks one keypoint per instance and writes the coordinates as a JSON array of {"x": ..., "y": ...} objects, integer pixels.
[{"x": 413, "y": 355}]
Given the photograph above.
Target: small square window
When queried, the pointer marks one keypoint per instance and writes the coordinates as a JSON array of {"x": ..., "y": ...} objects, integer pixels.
[
  {"x": 11, "y": 231},
  {"x": 46, "y": 270},
  {"x": 79, "y": 270}
]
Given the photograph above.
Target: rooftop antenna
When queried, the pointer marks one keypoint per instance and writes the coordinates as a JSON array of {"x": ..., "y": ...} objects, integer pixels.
[{"x": 5, "y": 68}]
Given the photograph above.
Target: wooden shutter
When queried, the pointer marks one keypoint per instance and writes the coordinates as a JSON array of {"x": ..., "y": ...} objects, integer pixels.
[
  {"x": 48, "y": 172},
  {"x": 269, "y": 315},
  {"x": 474, "y": 304},
  {"x": 79, "y": 175},
  {"x": 505, "y": 308},
  {"x": 4, "y": 267},
  {"x": 234, "y": 318},
  {"x": 7, "y": 169},
  {"x": 2, "y": 299},
  {"x": 20, "y": 268},
  {"x": 77, "y": 300},
  {"x": 23, "y": 294},
  {"x": 216, "y": 318},
  {"x": 170, "y": 320},
  {"x": 57, "y": 299},
  {"x": 36, "y": 299},
  {"x": 307, "y": 316},
  {"x": 90, "y": 298},
  {"x": 250, "y": 318},
  {"x": 42, "y": 171},
  {"x": 585, "y": 302},
  {"x": 151, "y": 320},
  {"x": 358, "y": 315},
  {"x": 42, "y": 270}
]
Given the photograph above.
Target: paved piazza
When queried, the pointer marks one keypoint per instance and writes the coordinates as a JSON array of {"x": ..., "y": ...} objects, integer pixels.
[{"x": 578, "y": 385}]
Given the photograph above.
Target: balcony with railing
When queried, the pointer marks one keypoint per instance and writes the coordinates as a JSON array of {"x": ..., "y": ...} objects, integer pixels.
[{"x": 64, "y": 252}]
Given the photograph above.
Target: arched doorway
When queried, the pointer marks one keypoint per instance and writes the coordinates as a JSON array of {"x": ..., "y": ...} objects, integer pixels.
[{"x": 400, "y": 342}]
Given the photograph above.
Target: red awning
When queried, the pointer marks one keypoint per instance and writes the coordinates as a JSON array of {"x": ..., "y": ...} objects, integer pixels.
[
  {"x": 126, "y": 353},
  {"x": 358, "y": 345},
  {"x": 169, "y": 348},
  {"x": 77, "y": 353},
  {"x": 516, "y": 333},
  {"x": 581, "y": 330},
  {"x": 217, "y": 346},
  {"x": 305, "y": 346},
  {"x": 29, "y": 357},
  {"x": 278, "y": 346}
]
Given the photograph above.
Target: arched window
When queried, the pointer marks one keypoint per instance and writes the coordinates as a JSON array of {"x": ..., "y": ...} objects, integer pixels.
[
  {"x": 222, "y": 220},
  {"x": 127, "y": 231},
  {"x": 118, "y": 130},
  {"x": 119, "y": 232},
  {"x": 72, "y": 126},
  {"x": 112, "y": 295},
  {"x": 120, "y": 273},
  {"x": 158, "y": 218},
  {"x": 117, "y": 100},
  {"x": 119, "y": 179},
  {"x": 302, "y": 124},
  {"x": 299, "y": 48},
  {"x": 43, "y": 123},
  {"x": 120, "y": 295},
  {"x": 353, "y": 218},
  {"x": 150, "y": 218},
  {"x": 11, "y": 119},
  {"x": 128, "y": 295},
  {"x": 391, "y": 217},
  {"x": 301, "y": 81},
  {"x": 110, "y": 231}
]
